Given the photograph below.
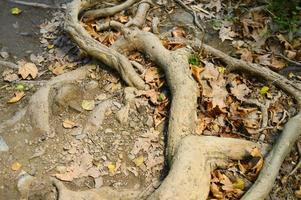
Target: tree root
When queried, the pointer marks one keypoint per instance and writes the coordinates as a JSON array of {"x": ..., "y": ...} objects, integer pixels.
[
  {"x": 38, "y": 109},
  {"x": 191, "y": 158}
]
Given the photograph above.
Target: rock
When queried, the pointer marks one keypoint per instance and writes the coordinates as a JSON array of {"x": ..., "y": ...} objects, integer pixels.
[
  {"x": 4, "y": 55},
  {"x": 129, "y": 95},
  {"x": 24, "y": 184},
  {"x": 98, "y": 182},
  {"x": 3, "y": 145},
  {"x": 91, "y": 85},
  {"x": 123, "y": 114},
  {"x": 108, "y": 130},
  {"x": 118, "y": 105},
  {"x": 67, "y": 93}
]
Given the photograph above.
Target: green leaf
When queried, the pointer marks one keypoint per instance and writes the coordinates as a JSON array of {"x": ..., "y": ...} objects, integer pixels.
[
  {"x": 20, "y": 87},
  {"x": 264, "y": 90},
  {"x": 161, "y": 97},
  {"x": 194, "y": 60},
  {"x": 15, "y": 11}
]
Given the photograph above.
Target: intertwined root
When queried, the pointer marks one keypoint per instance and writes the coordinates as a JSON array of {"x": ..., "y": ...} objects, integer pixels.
[{"x": 191, "y": 158}]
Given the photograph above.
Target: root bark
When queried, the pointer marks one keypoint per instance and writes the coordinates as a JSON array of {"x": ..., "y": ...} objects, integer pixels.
[{"x": 191, "y": 158}]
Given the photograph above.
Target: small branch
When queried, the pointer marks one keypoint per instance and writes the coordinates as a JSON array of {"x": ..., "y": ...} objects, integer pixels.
[
  {"x": 155, "y": 24},
  {"x": 299, "y": 163},
  {"x": 193, "y": 13},
  {"x": 104, "y": 12},
  {"x": 8, "y": 64},
  {"x": 140, "y": 16},
  {"x": 288, "y": 60},
  {"x": 36, "y": 5}
]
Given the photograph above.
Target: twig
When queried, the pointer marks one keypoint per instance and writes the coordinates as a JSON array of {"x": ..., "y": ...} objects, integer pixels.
[
  {"x": 34, "y": 4},
  {"x": 288, "y": 60},
  {"x": 8, "y": 64},
  {"x": 299, "y": 163},
  {"x": 193, "y": 13}
]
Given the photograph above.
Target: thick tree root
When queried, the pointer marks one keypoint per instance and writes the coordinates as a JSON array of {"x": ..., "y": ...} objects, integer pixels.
[
  {"x": 191, "y": 158},
  {"x": 38, "y": 109}
]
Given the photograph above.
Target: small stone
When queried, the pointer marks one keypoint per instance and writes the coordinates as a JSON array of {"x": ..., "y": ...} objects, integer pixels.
[
  {"x": 98, "y": 182},
  {"x": 108, "y": 130},
  {"x": 80, "y": 136},
  {"x": 123, "y": 114},
  {"x": 118, "y": 105},
  {"x": 4, "y": 55},
  {"x": 91, "y": 85},
  {"x": 3, "y": 145}
]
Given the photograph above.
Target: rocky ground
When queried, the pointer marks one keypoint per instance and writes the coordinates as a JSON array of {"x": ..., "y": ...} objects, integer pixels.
[{"x": 128, "y": 149}]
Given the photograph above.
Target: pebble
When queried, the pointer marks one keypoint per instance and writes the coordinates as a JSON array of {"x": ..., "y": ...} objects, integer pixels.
[
  {"x": 3, "y": 145},
  {"x": 118, "y": 105}
]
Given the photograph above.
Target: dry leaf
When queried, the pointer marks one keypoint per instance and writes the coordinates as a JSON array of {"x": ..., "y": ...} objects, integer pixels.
[
  {"x": 196, "y": 72},
  {"x": 245, "y": 55},
  {"x": 58, "y": 70},
  {"x": 240, "y": 91},
  {"x": 68, "y": 124},
  {"x": 16, "y": 166},
  {"x": 17, "y": 97},
  {"x": 9, "y": 75},
  {"x": 28, "y": 69},
  {"x": 88, "y": 104},
  {"x": 225, "y": 33},
  {"x": 215, "y": 191},
  {"x": 139, "y": 161}
]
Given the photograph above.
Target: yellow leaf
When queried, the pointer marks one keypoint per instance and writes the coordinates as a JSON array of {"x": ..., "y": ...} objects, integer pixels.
[
  {"x": 264, "y": 90},
  {"x": 16, "y": 166},
  {"x": 17, "y": 97},
  {"x": 221, "y": 70},
  {"x": 58, "y": 70},
  {"x": 239, "y": 184},
  {"x": 28, "y": 69},
  {"x": 15, "y": 11},
  {"x": 88, "y": 104},
  {"x": 139, "y": 161},
  {"x": 50, "y": 46},
  {"x": 69, "y": 124},
  {"x": 112, "y": 168}
]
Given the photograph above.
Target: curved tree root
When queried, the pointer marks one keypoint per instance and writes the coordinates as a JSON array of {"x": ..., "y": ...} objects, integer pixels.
[
  {"x": 38, "y": 109},
  {"x": 191, "y": 158}
]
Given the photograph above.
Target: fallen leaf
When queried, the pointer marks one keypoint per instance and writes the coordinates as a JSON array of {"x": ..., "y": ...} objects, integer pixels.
[
  {"x": 215, "y": 191},
  {"x": 178, "y": 32},
  {"x": 68, "y": 124},
  {"x": 50, "y": 46},
  {"x": 225, "y": 33},
  {"x": 88, "y": 104},
  {"x": 16, "y": 166},
  {"x": 298, "y": 192},
  {"x": 240, "y": 91},
  {"x": 112, "y": 168},
  {"x": 239, "y": 184},
  {"x": 17, "y": 97},
  {"x": 215, "y": 4},
  {"x": 15, "y": 11},
  {"x": 264, "y": 90},
  {"x": 28, "y": 69},
  {"x": 151, "y": 74},
  {"x": 195, "y": 70},
  {"x": 139, "y": 161},
  {"x": 277, "y": 64},
  {"x": 245, "y": 54},
  {"x": 9, "y": 75},
  {"x": 58, "y": 70}
]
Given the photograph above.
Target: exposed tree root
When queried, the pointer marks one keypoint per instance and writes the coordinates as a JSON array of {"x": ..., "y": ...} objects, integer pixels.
[
  {"x": 8, "y": 64},
  {"x": 191, "y": 158},
  {"x": 38, "y": 109}
]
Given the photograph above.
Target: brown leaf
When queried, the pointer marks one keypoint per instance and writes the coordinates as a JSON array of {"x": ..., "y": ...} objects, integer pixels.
[
  {"x": 277, "y": 64},
  {"x": 28, "y": 69},
  {"x": 196, "y": 72},
  {"x": 9, "y": 75},
  {"x": 240, "y": 91},
  {"x": 151, "y": 74},
  {"x": 68, "y": 124},
  {"x": 178, "y": 32},
  {"x": 225, "y": 33},
  {"x": 17, "y": 97},
  {"x": 245, "y": 54},
  {"x": 216, "y": 192}
]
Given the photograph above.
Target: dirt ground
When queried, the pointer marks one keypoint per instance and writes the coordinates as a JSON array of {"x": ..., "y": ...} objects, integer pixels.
[{"x": 128, "y": 149}]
